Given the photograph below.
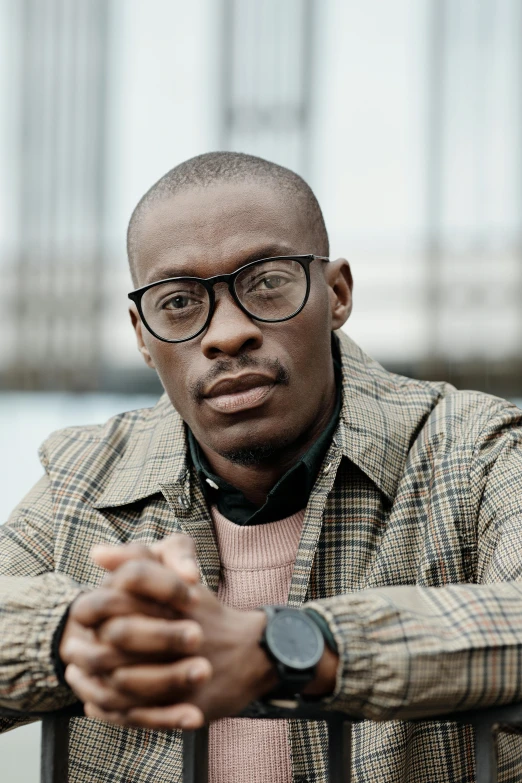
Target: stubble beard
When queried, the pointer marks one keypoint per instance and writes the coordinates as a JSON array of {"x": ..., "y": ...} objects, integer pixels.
[{"x": 256, "y": 454}]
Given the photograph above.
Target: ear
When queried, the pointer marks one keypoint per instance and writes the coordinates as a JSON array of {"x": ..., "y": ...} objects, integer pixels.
[
  {"x": 138, "y": 328},
  {"x": 340, "y": 282}
]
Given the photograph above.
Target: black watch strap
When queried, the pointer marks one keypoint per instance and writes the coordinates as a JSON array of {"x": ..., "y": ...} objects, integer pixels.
[{"x": 324, "y": 628}]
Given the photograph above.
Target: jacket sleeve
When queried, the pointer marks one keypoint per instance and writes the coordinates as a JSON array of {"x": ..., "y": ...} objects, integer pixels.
[
  {"x": 33, "y": 601},
  {"x": 410, "y": 651}
]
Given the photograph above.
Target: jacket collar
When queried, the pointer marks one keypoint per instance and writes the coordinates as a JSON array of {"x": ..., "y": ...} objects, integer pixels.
[
  {"x": 155, "y": 455},
  {"x": 380, "y": 417}
]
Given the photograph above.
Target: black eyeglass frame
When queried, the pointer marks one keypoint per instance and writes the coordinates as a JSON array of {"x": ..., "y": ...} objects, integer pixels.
[{"x": 209, "y": 282}]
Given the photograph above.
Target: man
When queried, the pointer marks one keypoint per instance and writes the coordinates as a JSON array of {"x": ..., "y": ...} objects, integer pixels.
[{"x": 386, "y": 511}]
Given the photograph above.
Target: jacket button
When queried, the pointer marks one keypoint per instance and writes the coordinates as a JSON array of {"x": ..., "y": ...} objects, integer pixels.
[{"x": 183, "y": 501}]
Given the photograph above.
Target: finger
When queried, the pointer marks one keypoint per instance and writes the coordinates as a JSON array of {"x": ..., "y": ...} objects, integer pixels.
[
  {"x": 147, "y": 635},
  {"x": 153, "y": 684},
  {"x": 113, "y": 556},
  {"x": 95, "y": 658},
  {"x": 152, "y": 581},
  {"x": 92, "y": 657},
  {"x": 73, "y": 632},
  {"x": 93, "y": 608},
  {"x": 178, "y": 552},
  {"x": 175, "y": 716},
  {"x": 96, "y": 690}
]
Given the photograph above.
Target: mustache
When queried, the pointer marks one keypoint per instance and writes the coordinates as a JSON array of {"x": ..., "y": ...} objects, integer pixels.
[{"x": 273, "y": 367}]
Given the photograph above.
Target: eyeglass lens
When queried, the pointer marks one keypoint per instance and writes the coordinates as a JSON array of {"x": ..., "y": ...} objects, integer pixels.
[{"x": 271, "y": 290}]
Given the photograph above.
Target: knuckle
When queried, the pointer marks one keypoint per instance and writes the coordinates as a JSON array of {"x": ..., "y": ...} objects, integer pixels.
[
  {"x": 95, "y": 661},
  {"x": 178, "y": 678},
  {"x": 107, "y": 595},
  {"x": 83, "y": 605},
  {"x": 133, "y": 572},
  {"x": 187, "y": 639},
  {"x": 102, "y": 599},
  {"x": 106, "y": 702},
  {"x": 177, "y": 588},
  {"x": 117, "y": 631},
  {"x": 122, "y": 679},
  {"x": 89, "y": 604}
]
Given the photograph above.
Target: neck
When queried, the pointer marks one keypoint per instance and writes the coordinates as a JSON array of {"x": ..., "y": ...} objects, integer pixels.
[{"x": 256, "y": 481}]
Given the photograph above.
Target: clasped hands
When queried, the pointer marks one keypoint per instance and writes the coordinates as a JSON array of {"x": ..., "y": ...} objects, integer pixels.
[{"x": 152, "y": 647}]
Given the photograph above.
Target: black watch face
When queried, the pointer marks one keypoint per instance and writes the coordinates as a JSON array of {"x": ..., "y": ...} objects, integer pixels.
[{"x": 295, "y": 639}]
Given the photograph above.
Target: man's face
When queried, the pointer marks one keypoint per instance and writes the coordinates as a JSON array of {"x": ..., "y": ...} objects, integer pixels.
[{"x": 243, "y": 386}]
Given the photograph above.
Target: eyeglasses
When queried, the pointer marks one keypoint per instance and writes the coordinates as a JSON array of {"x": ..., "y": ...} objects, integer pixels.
[{"x": 270, "y": 290}]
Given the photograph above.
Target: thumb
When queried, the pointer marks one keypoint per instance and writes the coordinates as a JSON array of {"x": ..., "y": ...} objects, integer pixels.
[
  {"x": 111, "y": 557},
  {"x": 178, "y": 552}
]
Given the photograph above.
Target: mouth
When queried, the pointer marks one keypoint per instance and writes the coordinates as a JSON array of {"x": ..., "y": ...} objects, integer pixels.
[{"x": 239, "y": 393}]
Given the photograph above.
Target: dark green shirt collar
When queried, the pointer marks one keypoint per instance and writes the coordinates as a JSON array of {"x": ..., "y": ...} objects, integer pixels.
[{"x": 291, "y": 492}]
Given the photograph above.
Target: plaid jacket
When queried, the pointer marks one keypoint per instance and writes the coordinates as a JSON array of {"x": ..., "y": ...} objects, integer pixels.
[{"x": 411, "y": 549}]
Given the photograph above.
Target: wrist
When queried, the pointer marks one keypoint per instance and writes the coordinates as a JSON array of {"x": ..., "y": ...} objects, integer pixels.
[
  {"x": 325, "y": 678},
  {"x": 265, "y": 677},
  {"x": 56, "y": 647}
]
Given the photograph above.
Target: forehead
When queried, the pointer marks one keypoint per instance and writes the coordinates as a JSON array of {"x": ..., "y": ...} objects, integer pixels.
[{"x": 216, "y": 227}]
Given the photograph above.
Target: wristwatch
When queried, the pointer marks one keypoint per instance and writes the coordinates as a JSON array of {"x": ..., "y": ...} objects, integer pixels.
[{"x": 295, "y": 643}]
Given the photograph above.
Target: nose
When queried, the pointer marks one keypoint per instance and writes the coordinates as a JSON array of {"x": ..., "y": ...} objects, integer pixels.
[{"x": 230, "y": 331}]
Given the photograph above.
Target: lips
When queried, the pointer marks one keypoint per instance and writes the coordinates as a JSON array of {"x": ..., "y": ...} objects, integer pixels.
[{"x": 230, "y": 395}]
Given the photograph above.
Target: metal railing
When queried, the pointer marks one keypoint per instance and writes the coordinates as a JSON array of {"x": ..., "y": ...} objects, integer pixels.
[{"x": 486, "y": 724}]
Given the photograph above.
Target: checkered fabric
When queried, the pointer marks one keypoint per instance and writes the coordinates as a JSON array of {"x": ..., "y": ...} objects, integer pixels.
[{"x": 411, "y": 549}]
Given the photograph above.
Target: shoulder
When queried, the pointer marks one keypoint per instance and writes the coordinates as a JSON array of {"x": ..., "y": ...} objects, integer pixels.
[
  {"x": 95, "y": 451},
  {"x": 440, "y": 405},
  {"x": 475, "y": 416},
  {"x": 365, "y": 379}
]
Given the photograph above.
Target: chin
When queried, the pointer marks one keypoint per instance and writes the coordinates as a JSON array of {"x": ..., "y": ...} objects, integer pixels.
[
  {"x": 250, "y": 456},
  {"x": 254, "y": 453}
]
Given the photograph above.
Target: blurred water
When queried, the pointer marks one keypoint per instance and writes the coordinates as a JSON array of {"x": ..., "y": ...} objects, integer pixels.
[{"x": 25, "y": 421}]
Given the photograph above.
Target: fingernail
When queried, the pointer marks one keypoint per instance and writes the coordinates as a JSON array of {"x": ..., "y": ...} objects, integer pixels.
[
  {"x": 190, "y": 636},
  {"x": 197, "y": 672},
  {"x": 186, "y": 722},
  {"x": 191, "y": 573}
]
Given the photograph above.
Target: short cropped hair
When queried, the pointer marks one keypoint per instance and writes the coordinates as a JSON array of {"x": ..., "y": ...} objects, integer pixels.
[{"x": 214, "y": 167}]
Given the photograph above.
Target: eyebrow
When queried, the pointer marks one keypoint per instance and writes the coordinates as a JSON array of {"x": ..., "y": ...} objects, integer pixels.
[{"x": 270, "y": 251}]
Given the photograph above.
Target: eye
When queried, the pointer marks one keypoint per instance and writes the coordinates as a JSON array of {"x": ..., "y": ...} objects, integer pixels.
[
  {"x": 273, "y": 281},
  {"x": 176, "y": 297},
  {"x": 179, "y": 302},
  {"x": 268, "y": 282}
]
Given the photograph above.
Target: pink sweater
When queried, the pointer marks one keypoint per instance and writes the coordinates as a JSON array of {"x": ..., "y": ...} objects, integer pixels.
[{"x": 256, "y": 569}]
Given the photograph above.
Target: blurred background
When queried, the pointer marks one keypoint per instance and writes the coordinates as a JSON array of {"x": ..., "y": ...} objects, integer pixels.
[{"x": 405, "y": 116}]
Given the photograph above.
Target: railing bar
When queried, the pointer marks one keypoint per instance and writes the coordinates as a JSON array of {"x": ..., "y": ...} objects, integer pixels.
[
  {"x": 339, "y": 751},
  {"x": 485, "y": 753},
  {"x": 195, "y": 756},
  {"x": 55, "y": 749},
  {"x": 509, "y": 713},
  {"x": 486, "y": 723}
]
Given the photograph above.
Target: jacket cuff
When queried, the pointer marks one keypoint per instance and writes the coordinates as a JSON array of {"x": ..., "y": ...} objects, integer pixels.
[
  {"x": 59, "y": 666},
  {"x": 31, "y": 614},
  {"x": 354, "y": 679}
]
